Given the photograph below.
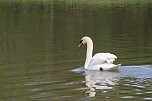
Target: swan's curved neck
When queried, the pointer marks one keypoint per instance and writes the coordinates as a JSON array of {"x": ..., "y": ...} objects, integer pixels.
[{"x": 88, "y": 53}]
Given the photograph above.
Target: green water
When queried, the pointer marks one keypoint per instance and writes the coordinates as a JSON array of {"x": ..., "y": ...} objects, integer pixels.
[{"x": 38, "y": 48}]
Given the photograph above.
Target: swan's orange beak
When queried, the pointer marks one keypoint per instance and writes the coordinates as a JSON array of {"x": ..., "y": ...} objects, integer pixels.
[{"x": 80, "y": 45}]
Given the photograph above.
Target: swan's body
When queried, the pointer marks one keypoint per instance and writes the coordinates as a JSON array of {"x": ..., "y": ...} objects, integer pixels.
[{"x": 100, "y": 61}]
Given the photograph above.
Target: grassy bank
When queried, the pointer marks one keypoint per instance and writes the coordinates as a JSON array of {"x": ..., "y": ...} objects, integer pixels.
[
  {"x": 105, "y": 2},
  {"x": 83, "y": 2}
]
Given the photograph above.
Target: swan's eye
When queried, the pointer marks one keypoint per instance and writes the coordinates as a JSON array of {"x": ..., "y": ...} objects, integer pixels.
[{"x": 81, "y": 41}]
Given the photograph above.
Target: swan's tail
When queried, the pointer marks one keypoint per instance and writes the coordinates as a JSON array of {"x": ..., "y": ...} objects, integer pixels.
[{"x": 116, "y": 67}]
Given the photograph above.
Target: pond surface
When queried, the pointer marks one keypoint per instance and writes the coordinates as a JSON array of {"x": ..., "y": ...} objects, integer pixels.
[{"x": 40, "y": 61}]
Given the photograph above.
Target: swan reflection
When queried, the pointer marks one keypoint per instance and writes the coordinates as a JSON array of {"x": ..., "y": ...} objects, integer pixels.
[{"x": 100, "y": 80}]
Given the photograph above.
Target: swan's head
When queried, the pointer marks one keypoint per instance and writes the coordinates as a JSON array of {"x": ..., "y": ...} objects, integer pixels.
[{"x": 84, "y": 40}]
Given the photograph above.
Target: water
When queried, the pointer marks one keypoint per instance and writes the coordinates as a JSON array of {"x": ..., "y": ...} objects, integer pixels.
[{"x": 39, "y": 50}]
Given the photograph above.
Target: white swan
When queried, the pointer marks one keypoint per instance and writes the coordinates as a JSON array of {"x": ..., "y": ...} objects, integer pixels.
[{"x": 100, "y": 61}]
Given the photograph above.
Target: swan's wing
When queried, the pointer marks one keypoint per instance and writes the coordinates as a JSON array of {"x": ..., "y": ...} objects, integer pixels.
[{"x": 101, "y": 58}]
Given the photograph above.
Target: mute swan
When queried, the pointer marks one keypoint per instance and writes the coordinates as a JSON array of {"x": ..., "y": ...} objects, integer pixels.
[{"x": 100, "y": 61}]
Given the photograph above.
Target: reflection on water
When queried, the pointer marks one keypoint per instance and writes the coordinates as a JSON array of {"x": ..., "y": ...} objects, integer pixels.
[
  {"x": 100, "y": 80},
  {"x": 130, "y": 82},
  {"x": 136, "y": 71},
  {"x": 38, "y": 47}
]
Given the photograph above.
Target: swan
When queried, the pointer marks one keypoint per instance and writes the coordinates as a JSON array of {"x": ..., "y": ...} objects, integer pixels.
[{"x": 100, "y": 61}]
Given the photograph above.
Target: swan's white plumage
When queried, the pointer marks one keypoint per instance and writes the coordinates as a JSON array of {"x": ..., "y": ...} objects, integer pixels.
[{"x": 99, "y": 60}]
